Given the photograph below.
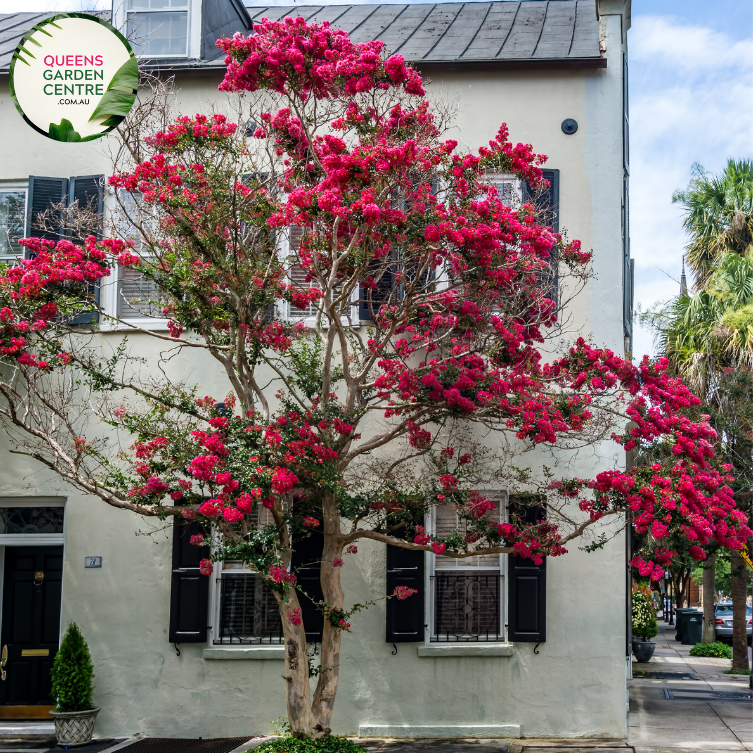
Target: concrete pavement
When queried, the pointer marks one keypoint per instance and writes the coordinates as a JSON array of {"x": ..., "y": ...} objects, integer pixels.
[{"x": 658, "y": 724}]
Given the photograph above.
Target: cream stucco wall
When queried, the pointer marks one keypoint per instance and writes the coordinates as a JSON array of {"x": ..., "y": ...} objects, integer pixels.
[{"x": 575, "y": 684}]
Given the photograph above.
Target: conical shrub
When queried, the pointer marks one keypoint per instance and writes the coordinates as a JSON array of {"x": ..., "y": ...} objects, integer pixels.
[{"x": 72, "y": 673}]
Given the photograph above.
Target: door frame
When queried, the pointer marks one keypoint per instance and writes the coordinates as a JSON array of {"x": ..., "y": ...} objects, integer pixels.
[{"x": 31, "y": 539}]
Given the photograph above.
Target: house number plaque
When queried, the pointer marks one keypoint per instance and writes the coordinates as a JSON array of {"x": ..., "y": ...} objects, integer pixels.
[{"x": 93, "y": 561}]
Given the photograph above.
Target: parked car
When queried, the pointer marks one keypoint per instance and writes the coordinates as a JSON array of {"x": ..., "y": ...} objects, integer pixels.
[{"x": 723, "y": 622}]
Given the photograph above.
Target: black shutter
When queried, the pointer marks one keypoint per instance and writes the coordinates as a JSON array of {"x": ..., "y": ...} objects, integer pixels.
[
  {"x": 189, "y": 592},
  {"x": 526, "y": 589},
  {"x": 88, "y": 191},
  {"x": 405, "y": 619},
  {"x": 371, "y": 299},
  {"x": 42, "y": 193},
  {"x": 307, "y": 565},
  {"x": 547, "y": 203}
]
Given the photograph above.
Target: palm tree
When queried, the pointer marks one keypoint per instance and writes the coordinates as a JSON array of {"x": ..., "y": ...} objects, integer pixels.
[
  {"x": 710, "y": 330},
  {"x": 718, "y": 216}
]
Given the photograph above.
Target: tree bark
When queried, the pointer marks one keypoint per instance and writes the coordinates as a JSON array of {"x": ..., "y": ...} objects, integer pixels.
[
  {"x": 709, "y": 579},
  {"x": 298, "y": 692},
  {"x": 326, "y": 687},
  {"x": 739, "y": 587}
]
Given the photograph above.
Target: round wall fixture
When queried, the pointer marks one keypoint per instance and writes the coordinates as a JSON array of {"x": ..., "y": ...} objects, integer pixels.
[{"x": 569, "y": 126}]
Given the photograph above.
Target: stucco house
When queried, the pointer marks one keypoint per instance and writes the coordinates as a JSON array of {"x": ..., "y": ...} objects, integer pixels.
[{"x": 545, "y": 653}]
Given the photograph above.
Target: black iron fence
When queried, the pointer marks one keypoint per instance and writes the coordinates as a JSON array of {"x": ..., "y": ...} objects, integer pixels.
[
  {"x": 467, "y": 607},
  {"x": 248, "y": 610}
]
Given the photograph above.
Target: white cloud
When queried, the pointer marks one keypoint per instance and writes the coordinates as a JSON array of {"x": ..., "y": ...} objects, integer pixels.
[
  {"x": 664, "y": 40},
  {"x": 50, "y": 6},
  {"x": 691, "y": 101}
]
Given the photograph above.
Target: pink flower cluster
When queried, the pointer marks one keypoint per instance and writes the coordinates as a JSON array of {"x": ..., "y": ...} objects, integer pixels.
[{"x": 310, "y": 59}]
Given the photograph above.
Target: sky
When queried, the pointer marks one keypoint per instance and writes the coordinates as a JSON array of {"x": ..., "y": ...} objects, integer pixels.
[{"x": 691, "y": 101}]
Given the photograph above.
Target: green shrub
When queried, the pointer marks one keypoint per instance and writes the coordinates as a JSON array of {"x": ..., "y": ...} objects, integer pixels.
[
  {"x": 718, "y": 649},
  {"x": 327, "y": 744},
  {"x": 72, "y": 673},
  {"x": 644, "y": 617}
]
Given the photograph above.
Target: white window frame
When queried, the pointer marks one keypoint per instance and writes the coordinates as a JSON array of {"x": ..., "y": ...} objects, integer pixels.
[
  {"x": 498, "y": 179},
  {"x": 110, "y": 288},
  {"x": 17, "y": 186},
  {"x": 500, "y": 498},
  {"x": 120, "y": 12},
  {"x": 286, "y": 309},
  {"x": 216, "y": 605}
]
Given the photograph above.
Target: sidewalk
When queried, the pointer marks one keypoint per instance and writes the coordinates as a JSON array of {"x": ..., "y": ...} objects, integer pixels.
[{"x": 681, "y": 723}]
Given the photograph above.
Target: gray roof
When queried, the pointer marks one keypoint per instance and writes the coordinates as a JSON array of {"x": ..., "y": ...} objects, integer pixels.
[
  {"x": 12, "y": 27},
  {"x": 508, "y": 32},
  {"x": 541, "y": 31}
]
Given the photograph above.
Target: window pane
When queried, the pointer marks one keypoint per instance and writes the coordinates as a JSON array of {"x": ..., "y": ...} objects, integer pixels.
[
  {"x": 466, "y": 606},
  {"x": 31, "y": 519},
  {"x": 158, "y": 5},
  {"x": 12, "y": 211},
  {"x": 248, "y": 610},
  {"x": 163, "y": 33},
  {"x": 137, "y": 296}
]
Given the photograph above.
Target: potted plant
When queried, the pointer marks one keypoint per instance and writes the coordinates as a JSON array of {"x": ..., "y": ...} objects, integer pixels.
[
  {"x": 72, "y": 688},
  {"x": 644, "y": 623}
]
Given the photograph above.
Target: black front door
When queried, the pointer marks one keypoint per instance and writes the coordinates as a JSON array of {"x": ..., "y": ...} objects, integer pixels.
[{"x": 31, "y": 623}]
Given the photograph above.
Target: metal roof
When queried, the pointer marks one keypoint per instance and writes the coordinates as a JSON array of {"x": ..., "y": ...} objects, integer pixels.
[
  {"x": 524, "y": 32},
  {"x": 501, "y": 31}
]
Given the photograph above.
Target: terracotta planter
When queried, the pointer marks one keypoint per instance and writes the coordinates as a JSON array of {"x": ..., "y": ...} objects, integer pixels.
[
  {"x": 74, "y": 728},
  {"x": 643, "y": 650}
]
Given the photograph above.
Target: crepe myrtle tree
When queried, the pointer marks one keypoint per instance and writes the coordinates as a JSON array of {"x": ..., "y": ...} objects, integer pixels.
[{"x": 333, "y": 427}]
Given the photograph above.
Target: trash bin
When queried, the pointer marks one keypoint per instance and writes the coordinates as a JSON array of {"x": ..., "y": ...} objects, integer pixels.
[
  {"x": 681, "y": 616},
  {"x": 693, "y": 629}
]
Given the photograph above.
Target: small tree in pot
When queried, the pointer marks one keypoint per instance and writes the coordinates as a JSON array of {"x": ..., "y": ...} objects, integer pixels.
[
  {"x": 72, "y": 688},
  {"x": 644, "y": 623}
]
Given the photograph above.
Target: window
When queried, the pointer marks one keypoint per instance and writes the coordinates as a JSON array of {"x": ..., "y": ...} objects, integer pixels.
[
  {"x": 466, "y": 593},
  {"x": 158, "y": 28},
  {"x": 245, "y": 608},
  {"x": 136, "y": 297},
  {"x": 12, "y": 218},
  {"x": 509, "y": 188},
  {"x": 31, "y": 520},
  {"x": 296, "y": 275}
]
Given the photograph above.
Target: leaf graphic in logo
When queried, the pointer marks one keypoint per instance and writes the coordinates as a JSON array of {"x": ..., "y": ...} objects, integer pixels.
[
  {"x": 64, "y": 131},
  {"x": 120, "y": 95}
]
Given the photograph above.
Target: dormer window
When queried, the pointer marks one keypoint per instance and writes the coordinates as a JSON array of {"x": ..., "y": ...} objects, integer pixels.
[{"x": 158, "y": 28}]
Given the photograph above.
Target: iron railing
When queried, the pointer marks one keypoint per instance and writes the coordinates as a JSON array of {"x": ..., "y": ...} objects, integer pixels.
[
  {"x": 467, "y": 607},
  {"x": 248, "y": 610}
]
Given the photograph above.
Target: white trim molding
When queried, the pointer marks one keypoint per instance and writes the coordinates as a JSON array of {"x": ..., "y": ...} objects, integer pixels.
[
  {"x": 440, "y": 731},
  {"x": 274, "y": 651},
  {"x": 440, "y": 650},
  {"x": 32, "y": 539}
]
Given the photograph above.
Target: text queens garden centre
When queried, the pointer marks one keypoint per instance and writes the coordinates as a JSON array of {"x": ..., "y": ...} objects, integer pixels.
[{"x": 73, "y": 77}]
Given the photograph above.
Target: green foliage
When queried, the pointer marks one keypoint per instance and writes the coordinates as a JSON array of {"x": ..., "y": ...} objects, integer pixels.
[
  {"x": 745, "y": 672},
  {"x": 327, "y": 744},
  {"x": 718, "y": 649},
  {"x": 718, "y": 214},
  {"x": 72, "y": 673},
  {"x": 644, "y": 617},
  {"x": 722, "y": 573},
  {"x": 120, "y": 95}
]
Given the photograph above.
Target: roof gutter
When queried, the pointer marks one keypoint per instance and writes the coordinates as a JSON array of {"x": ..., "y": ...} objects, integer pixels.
[{"x": 535, "y": 64}]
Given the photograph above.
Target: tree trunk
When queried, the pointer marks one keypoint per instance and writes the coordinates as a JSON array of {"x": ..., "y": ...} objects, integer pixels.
[
  {"x": 326, "y": 687},
  {"x": 739, "y": 589},
  {"x": 298, "y": 692},
  {"x": 678, "y": 580},
  {"x": 709, "y": 579}
]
